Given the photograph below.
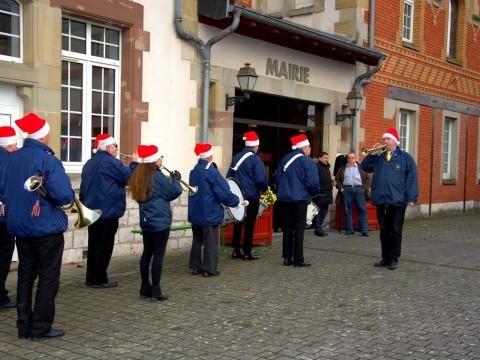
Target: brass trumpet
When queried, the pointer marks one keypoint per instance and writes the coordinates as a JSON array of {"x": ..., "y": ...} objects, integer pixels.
[
  {"x": 86, "y": 216},
  {"x": 375, "y": 150}
]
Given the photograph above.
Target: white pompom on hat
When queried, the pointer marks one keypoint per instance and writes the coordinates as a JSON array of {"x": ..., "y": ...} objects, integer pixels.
[
  {"x": 8, "y": 136},
  {"x": 34, "y": 126},
  {"x": 392, "y": 134}
]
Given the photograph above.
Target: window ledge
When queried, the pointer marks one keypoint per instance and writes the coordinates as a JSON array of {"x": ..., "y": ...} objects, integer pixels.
[
  {"x": 449, "y": 181},
  {"x": 454, "y": 61},
  {"x": 411, "y": 45},
  {"x": 301, "y": 11}
]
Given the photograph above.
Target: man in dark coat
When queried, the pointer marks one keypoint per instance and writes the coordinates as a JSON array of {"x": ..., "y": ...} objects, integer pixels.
[{"x": 324, "y": 198}]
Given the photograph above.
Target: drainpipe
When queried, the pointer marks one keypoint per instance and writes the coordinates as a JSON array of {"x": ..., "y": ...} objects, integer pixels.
[
  {"x": 366, "y": 77},
  {"x": 465, "y": 165},
  {"x": 205, "y": 50}
]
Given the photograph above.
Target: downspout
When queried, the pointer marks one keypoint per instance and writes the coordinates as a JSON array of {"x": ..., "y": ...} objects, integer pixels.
[
  {"x": 465, "y": 165},
  {"x": 205, "y": 50},
  {"x": 366, "y": 77}
]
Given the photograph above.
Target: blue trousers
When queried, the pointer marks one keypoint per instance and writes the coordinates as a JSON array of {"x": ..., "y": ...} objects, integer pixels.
[{"x": 355, "y": 195}]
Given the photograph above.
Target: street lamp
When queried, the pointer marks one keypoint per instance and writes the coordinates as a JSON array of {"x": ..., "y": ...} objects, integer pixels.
[
  {"x": 354, "y": 100},
  {"x": 247, "y": 77}
]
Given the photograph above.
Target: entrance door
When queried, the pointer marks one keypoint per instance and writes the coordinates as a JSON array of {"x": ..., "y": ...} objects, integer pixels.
[{"x": 11, "y": 108}]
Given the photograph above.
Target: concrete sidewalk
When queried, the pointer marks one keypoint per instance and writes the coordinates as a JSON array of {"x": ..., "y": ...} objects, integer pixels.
[{"x": 340, "y": 308}]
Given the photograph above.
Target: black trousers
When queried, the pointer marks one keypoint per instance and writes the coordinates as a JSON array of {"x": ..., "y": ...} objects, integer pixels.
[
  {"x": 249, "y": 221},
  {"x": 7, "y": 245},
  {"x": 154, "y": 245},
  {"x": 101, "y": 237},
  {"x": 204, "y": 252},
  {"x": 38, "y": 257},
  {"x": 391, "y": 219},
  {"x": 294, "y": 214}
]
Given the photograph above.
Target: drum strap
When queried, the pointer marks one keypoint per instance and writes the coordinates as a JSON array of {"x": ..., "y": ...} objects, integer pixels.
[
  {"x": 241, "y": 160},
  {"x": 289, "y": 162}
]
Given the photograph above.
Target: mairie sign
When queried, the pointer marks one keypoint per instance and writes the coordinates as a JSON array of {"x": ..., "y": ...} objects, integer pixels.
[{"x": 288, "y": 71}]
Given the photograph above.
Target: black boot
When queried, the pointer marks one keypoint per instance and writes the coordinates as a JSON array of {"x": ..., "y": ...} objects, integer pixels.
[
  {"x": 157, "y": 294},
  {"x": 146, "y": 290}
]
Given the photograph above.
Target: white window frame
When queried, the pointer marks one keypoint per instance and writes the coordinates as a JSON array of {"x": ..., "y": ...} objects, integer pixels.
[
  {"x": 88, "y": 62},
  {"x": 18, "y": 59},
  {"x": 449, "y": 28},
  {"x": 407, "y": 126},
  {"x": 449, "y": 147},
  {"x": 407, "y": 27},
  {"x": 404, "y": 123}
]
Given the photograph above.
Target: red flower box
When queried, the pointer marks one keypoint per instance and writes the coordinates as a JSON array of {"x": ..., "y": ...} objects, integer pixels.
[{"x": 262, "y": 234}]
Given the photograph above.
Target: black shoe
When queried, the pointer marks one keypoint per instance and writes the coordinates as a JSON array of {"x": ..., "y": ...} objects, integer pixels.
[
  {"x": 208, "y": 274},
  {"x": 24, "y": 334},
  {"x": 53, "y": 333},
  {"x": 107, "y": 285},
  {"x": 197, "y": 271},
  {"x": 365, "y": 234},
  {"x": 382, "y": 263},
  {"x": 287, "y": 262},
  {"x": 7, "y": 303},
  {"x": 157, "y": 294},
  {"x": 251, "y": 257},
  {"x": 237, "y": 254},
  {"x": 146, "y": 291},
  {"x": 302, "y": 264},
  {"x": 393, "y": 265}
]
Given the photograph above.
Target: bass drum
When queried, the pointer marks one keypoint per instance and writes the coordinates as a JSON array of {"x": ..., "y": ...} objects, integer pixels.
[{"x": 234, "y": 214}]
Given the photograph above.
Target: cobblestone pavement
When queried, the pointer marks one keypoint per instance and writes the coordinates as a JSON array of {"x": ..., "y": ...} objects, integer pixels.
[{"x": 340, "y": 308}]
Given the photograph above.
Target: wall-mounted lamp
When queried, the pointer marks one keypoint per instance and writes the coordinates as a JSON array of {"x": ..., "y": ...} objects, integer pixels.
[
  {"x": 247, "y": 77},
  {"x": 354, "y": 100}
]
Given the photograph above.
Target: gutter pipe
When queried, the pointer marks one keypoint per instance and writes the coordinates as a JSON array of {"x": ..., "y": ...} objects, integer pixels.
[{"x": 205, "y": 50}]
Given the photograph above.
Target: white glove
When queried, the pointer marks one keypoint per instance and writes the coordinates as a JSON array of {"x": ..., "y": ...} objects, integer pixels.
[{"x": 244, "y": 203}]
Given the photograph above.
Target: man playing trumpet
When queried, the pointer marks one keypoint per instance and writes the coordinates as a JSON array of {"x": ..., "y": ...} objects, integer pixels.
[{"x": 394, "y": 187}]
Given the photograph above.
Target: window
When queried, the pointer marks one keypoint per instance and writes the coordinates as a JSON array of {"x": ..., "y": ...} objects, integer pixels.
[
  {"x": 407, "y": 126},
  {"x": 90, "y": 88},
  {"x": 10, "y": 30},
  {"x": 452, "y": 29},
  {"x": 449, "y": 149},
  {"x": 404, "y": 123},
  {"x": 408, "y": 7}
]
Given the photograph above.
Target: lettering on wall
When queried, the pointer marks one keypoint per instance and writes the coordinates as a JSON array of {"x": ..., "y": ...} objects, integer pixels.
[{"x": 287, "y": 71}]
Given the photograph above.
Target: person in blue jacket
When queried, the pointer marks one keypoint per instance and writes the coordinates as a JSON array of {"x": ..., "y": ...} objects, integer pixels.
[
  {"x": 205, "y": 211},
  {"x": 248, "y": 170},
  {"x": 394, "y": 187},
  {"x": 8, "y": 144},
  {"x": 103, "y": 187},
  {"x": 38, "y": 223},
  {"x": 297, "y": 181},
  {"x": 153, "y": 191}
]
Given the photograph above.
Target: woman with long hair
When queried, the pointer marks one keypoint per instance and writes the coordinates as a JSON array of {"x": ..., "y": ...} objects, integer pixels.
[{"x": 153, "y": 191}]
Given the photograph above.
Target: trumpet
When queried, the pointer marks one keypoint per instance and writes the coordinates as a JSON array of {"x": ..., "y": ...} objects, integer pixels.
[
  {"x": 374, "y": 150},
  {"x": 192, "y": 190},
  {"x": 86, "y": 216}
]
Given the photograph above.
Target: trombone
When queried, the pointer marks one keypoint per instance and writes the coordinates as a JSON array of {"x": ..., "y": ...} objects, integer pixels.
[
  {"x": 377, "y": 150},
  {"x": 192, "y": 190},
  {"x": 86, "y": 216}
]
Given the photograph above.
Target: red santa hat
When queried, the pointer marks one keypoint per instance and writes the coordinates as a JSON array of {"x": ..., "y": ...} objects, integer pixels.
[
  {"x": 392, "y": 134},
  {"x": 251, "y": 138},
  {"x": 34, "y": 126},
  {"x": 102, "y": 141},
  {"x": 148, "y": 153},
  {"x": 299, "y": 141},
  {"x": 203, "y": 151},
  {"x": 8, "y": 136}
]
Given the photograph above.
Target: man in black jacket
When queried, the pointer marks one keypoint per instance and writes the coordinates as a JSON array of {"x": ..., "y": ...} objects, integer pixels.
[{"x": 324, "y": 198}]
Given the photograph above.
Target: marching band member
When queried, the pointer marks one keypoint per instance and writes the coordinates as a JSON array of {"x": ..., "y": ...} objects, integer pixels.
[
  {"x": 8, "y": 144},
  {"x": 153, "y": 191},
  {"x": 297, "y": 180},
  {"x": 205, "y": 211},
  {"x": 103, "y": 187},
  {"x": 248, "y": 169},
  {"x": 38, "y": 223}
]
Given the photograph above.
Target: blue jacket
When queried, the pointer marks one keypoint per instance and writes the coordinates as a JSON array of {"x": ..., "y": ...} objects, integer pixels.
[
  {"x": 103, "y": 184},
  {"x": 155, "y": 213},
  {"x": 250, "y": 175},
  {"x": 299, "y": 182},
  {"x": 3, "y": 162},
  {"x": 394, "y": 182},
  {"x": 205, "y": 207},
  {"x": 35, "y": 158}
]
